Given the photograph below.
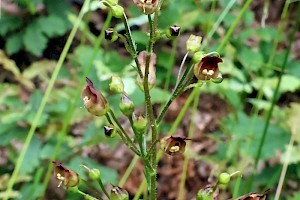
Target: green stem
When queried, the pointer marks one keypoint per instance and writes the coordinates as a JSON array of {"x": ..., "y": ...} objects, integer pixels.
[
  {"x": 72, "y": 104},
  {"x": 131, "y": 45},
  {"x": 128, "y": 170},
  {"x": 171, "y": 64},
  {"x": 103, "y": 188},
  {"x": 149, "y": 108},
  {"x": 44, "y": 101},
  {"x": 124, "y": 136}
]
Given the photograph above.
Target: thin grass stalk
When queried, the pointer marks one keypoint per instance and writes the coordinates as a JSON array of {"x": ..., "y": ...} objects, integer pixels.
[
  {"x": 288, "y": 154},
  {"x": 171, "y": 64},
  {"x": 44, "y": 101},
  {"x": 181, "y": 193},
  {"x": 260, "y": 94}
]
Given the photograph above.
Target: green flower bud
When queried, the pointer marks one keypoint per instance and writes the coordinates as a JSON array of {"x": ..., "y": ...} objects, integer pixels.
[
  {"x": 140, "y": 124},
  {"x": 224, "y": 178},
  {"x": 173, "y": 32},
  {"x": 205, "y": 194},
  {"x": 110, "y": 131},
  {"x": 117, "y": 11},
  {"x": 193, "y": 44},
  {"x": 116, "y": 84},
  {"x": 94, "y": 174},
  {"x": 111, "y": 35},
  {"x": 118, "y": 193},
  {"x": 126, "y": 105}
]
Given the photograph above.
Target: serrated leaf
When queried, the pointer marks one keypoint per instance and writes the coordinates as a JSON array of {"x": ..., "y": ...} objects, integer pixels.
[
  {"x": 14, "y": 43},
  {"x": 250, "y": 59},
  {"x": 32, "y": 158},
  {"x": 34, "y": 40},
  {"x": 52, "y": 25}
]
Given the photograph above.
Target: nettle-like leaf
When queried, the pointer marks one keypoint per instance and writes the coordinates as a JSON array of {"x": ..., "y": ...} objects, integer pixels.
[
  {"x": 289, "y": 83},
  {"x": 14, "y": 43},
  {"x": 240, "y": 130},
  {"x": 34, "y": 40},
  {"x": 52, "y": 25},
  {"x": 9, "y": 23}
]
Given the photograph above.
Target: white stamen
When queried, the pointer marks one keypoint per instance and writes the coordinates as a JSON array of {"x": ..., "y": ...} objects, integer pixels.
[
  {"x": 210, "y": 72},
  {"x": 204, "y": 72},
  {"x": 174, "y": 149}
]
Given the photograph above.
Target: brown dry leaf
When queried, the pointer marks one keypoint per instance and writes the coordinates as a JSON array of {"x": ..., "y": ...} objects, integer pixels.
[{"x": 255, "y": 196}]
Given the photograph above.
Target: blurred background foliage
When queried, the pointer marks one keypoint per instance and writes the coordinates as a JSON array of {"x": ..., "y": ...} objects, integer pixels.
[{"x": 33, "y": 34}]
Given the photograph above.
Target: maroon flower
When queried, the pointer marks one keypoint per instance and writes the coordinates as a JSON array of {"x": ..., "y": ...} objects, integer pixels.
[
  {"x": 66, "y": 177},
  {"x": 174, "y": 145},
  {"x": 207, "y": 68},
  {"x": 255, "y": 196},
  {"x": 93, "y": 100}
]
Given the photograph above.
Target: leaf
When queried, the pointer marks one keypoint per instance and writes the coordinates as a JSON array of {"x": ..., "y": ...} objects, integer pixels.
[
  {"x": 9, "y": 64},
  {"x": 295, "y": 196},
  {"x": 14, "y": 43},
  {"x": 34, "y": 40},
  {"x": 250, "y": 59},
  {"x": 293, "y": 120},
  {"x": 52, "y": 25},
  {"x": 32, "y": 158},
  {"x": 9, "y": 23}
]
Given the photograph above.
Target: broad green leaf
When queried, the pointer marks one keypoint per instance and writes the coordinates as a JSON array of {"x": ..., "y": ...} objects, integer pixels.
[
  {"x": 9, "y": 23},
  {"x": 32, "y": 158},
  {"x": 52, "y": 25},
  {"x": 250, "y": 59},
  {"x": 14, "y": 43},
  {"x": 34, "y": 40}
]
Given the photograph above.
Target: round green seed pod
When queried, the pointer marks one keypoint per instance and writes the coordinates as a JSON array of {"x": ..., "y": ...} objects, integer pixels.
[{"x": 224, "y": 178}]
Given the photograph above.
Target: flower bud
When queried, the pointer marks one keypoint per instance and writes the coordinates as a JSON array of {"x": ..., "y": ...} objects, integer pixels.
[
  {"x": 116, "y": 84},
  {"x": 93, "y": 100},
  {"x": 207, "y": 68},
  {"x": 193, "y": 44},
  {"x": 173, "y": 32},
  {"x": 66, "y": 177},
  {"x": 142, "y": 57},
  {"x": 146, "y": 6},
  {"x": 110, "y": 131},
  {"x": 117, "y": 11},
  {"x": 126, "y": 105},
  {"x": 173, "y": 145},
  {"x": 118, "y": 193},
  {"x": 111, "y": 35},
  {"x": 94, "y": 174},
  {"x": 205, "y": 194},
  {"x": 140, "y": 124},
  {"x": 224, "y": 178}
]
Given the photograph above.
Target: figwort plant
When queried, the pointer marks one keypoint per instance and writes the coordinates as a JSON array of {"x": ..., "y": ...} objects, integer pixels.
[
  {"x": 147, "y": 139},
  {"x": 204, "y": 66}
]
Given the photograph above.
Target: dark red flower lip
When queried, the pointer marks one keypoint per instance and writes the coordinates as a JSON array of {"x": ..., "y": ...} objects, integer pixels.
[
  {"x": 207, "y": 68},
  {"x": 90, "y": 91}
]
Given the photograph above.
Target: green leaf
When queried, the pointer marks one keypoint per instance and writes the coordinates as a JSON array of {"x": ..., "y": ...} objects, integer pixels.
[
  {"x": 295, "y": 196},
  {"x": 52, "y": 25},
  {"x": 14, "y": 43},
  {"x": 9, "y": 23},
  {"x": 32, "y": 158},
  {"x": 9, "y": 65},
  {"x": 250, "y": 59},
  {"x": 34, "y": 40}
]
